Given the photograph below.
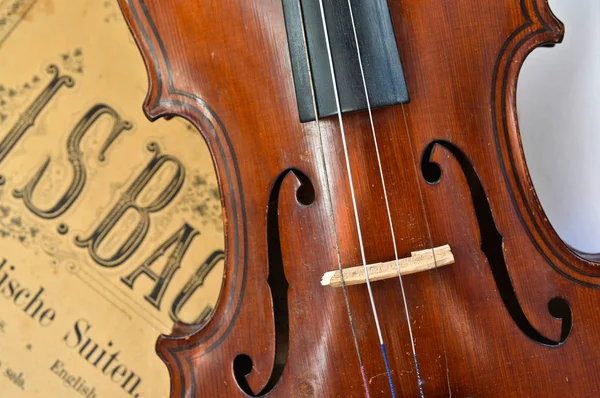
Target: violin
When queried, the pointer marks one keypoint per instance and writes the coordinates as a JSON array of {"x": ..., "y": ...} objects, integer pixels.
[{"x": 383, "y": 236}]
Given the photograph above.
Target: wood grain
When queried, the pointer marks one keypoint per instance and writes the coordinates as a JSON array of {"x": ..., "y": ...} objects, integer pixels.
[{"x": 225, "y": 66}]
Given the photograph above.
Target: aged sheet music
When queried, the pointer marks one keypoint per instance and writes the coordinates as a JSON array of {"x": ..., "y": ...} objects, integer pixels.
[{"x": 110, "y": 226}]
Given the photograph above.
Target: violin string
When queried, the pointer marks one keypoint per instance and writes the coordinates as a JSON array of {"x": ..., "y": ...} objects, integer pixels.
[
  {"x": 354, "y": 203},
  {"x": 430, "y": 238},
  {"x": 331, "y": 211},
  {"x": 387, "y": 202}
]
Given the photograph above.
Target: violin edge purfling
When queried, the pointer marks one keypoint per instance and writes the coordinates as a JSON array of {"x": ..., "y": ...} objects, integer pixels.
[{"x": 498, "y": 313}]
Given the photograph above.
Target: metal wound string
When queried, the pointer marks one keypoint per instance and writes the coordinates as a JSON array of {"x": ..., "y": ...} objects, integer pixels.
[
  {"x": 387, "y": 203},
  {"x": 331, "y": 213},
  {"x": 354, "y": 205}
]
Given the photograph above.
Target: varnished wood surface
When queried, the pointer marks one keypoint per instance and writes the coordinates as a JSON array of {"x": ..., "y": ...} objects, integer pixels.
[{"x": 225, "y": 66}]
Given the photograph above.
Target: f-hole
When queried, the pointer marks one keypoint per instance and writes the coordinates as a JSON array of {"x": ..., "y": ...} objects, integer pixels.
[
  {"x": 242, "y": 364},
  {"x": 491, "y": 245}
]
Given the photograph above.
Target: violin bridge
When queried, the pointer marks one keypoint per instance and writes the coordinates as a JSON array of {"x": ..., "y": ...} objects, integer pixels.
[{"x": 423, "y": 260}]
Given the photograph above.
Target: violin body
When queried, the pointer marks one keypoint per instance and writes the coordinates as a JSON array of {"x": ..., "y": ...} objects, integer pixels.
[{"x": 515, "y": 315}]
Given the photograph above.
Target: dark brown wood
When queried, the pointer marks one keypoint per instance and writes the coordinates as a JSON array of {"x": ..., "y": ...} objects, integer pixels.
[{"x": 225, "y": 66}]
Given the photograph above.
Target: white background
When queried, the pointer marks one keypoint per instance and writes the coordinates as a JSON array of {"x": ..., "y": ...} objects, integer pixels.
[{"x": 558, "y": 100}]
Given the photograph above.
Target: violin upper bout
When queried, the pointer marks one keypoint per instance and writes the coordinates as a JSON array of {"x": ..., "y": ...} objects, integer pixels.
[
  {"x": 199, "y": 68},
  {"x": 164, "y": 99},
  {"x": 542, "y": 14},
  {"x": 138, "y": 24}
]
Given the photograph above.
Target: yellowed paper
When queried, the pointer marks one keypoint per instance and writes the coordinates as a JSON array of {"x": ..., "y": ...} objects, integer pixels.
[{"x": 108, "y": 223}]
